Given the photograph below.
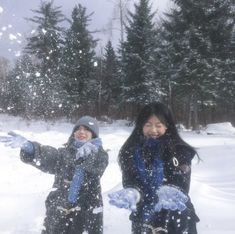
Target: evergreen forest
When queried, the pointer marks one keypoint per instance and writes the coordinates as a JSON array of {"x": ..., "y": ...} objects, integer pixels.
[{"x": 185, "y": 59}]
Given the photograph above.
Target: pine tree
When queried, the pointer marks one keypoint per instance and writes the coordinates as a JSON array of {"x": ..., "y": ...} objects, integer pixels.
[
  {"x": 195, "y": 35},
  {"x": 21, "y": 88},
  {"x": 226, "y": 84},
  {"x": 223, "y": 43},
  {"x": 77, "y": 67},
  {"x": 137, "y": 58},
  {"x": 111, "y": 86},
  {"x": 44, "y": 46},
  {"x": 4, "y": 70}
]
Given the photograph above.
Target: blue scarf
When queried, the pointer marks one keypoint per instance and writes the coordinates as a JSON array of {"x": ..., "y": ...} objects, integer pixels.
[
  {"x": 95, "y": 141},
  {"x": 150, "y": 168},
  {"x": 78, "y": 177}
]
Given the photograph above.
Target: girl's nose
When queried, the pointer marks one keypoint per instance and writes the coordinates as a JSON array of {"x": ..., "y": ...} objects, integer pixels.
[{"x": 154, "y": 129}]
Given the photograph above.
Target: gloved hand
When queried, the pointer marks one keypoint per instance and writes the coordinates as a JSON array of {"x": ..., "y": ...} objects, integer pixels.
[
  {"x": 75, "y": 185},
  {"x": 13, "y": 140},
  {"x": 87, "y": 149},
  {"x": 125, "y": 198},
  {"x": 170, "y": 198}
]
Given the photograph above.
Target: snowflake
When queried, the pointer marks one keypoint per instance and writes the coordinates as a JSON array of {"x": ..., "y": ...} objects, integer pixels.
[
  {"x": 12, "y": 37},
  {"x": 37, "y": 74}
]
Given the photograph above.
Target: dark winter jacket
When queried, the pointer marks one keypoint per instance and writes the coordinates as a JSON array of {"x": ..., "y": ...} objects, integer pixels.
[
  {"x": 62, "y": 163},
  {"x": 176, "y": 158}
]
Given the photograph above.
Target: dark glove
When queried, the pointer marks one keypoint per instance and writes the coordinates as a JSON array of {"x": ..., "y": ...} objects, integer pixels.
[
  {"x": 28, "y": 148},
  {"x": 125, "y": 198},
  {"x": 170, "y": 198},
  {"x": 76, "y": 185}
]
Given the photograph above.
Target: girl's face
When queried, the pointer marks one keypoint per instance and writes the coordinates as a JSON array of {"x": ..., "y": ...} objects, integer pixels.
[
  {"x": 83, "y": 134},
  {"x": 154, "y": 128}
]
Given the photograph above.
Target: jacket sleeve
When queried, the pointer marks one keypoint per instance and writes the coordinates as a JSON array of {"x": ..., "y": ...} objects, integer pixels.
[
  {"x": 45, "y": 158},
  {"x": 178, "y": 168},
  {"x": 129, "y": 173},
  {"x": 95, "y": 163}
]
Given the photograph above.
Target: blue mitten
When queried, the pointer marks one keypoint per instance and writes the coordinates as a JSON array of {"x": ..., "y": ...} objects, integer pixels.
[
  {"x": 125, "y": 198},
  {"x": 13, "y": 140},
  {"x": 76, "y": 185},
  {"x": 90, "y": 147},
  {"x": 170, "y": 198}
]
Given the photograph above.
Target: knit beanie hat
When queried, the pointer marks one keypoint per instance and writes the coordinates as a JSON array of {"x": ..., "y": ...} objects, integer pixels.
[{"x": 90, "y": 123}]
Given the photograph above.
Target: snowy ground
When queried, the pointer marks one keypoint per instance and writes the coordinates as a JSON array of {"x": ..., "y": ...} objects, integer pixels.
[{"x": 23, "y": 189}]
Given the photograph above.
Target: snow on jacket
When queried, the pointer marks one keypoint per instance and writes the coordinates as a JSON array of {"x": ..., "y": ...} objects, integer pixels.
[
  {"x": 176, "y": 158},
  {"x": 62, "y": 162}
]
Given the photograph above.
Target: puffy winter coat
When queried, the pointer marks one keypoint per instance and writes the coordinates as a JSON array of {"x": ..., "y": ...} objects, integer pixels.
[
  {"x": 62, "y": 162},
  {"x": 176, "y": 159}
]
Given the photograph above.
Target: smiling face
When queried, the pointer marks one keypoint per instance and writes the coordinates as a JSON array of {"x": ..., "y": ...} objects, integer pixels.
[
  {"x": 154, "y": 128},
  {"x": 83, "y": 134}
]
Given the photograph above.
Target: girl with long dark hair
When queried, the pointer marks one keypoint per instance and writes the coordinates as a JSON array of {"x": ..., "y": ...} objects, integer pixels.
[{"x": 156, "y": 168}]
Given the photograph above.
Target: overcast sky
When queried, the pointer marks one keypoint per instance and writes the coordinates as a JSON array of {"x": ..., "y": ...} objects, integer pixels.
[{"x": 14, "y": 27}]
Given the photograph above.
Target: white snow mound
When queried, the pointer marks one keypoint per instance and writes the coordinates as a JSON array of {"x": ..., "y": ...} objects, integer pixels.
[{"x": 225, "y": 128}]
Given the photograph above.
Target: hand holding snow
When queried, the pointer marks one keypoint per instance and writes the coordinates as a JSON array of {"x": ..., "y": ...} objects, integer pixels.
[
  {"x": 87, "y": 149},
  {"x": 170, "y": 198},
  {"x": 125, "y": 198}
]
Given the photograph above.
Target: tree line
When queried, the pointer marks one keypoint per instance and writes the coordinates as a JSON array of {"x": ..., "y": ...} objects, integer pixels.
[{"x": 185, "y": 59}]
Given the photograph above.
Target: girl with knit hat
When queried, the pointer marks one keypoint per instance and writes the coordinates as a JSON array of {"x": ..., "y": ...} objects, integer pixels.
[{"x": 75, "y": 205}]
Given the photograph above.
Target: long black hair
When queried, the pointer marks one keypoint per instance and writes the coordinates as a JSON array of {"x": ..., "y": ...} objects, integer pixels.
[{"x": 164, "y": 114}]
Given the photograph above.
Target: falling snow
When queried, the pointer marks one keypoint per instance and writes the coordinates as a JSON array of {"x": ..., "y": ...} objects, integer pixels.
[{"x": 26, "y": 188}]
